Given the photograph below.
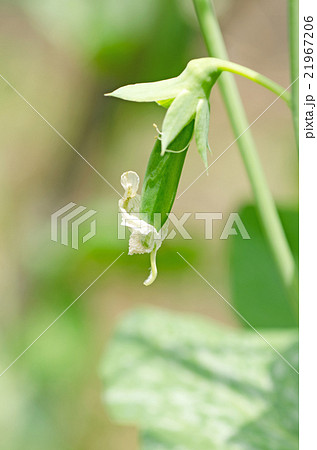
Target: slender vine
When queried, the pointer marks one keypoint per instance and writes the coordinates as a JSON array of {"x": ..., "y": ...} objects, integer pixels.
[
  {"x": 267, "y": 210},
  {"x": 228, "y": 66}
]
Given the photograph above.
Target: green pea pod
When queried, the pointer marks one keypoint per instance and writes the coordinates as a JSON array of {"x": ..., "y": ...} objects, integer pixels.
[{"x": 162, "y": 177}]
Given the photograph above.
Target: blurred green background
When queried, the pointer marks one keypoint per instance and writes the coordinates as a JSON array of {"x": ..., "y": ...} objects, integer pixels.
[{"x": 62, "y": 57}]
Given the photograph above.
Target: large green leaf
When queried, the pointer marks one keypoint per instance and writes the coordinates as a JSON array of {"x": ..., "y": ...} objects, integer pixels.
[
  {"x": 190, "y": 384},
  {"x": 257, "y": 290}
]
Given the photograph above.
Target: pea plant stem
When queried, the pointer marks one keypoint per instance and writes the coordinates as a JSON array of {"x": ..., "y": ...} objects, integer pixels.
[
  {"x": 266, "y": 207},
  {"x": 294, "y": 60},
  {"x": 254, "y": 76}
]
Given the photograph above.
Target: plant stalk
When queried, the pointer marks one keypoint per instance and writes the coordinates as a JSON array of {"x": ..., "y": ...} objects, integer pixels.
[
  {"x": 252, "y": 75},
  {"x": 239, "y": 122}
]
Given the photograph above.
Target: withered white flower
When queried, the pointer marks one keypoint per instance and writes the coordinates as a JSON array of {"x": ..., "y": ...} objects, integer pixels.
[{"x": 144, "y": 236}]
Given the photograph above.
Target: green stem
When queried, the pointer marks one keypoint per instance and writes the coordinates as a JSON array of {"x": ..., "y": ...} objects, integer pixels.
[
  {"x": 239, "y": 122},
  {"x": 254, "y": 76},
  {"x": 294, "y": 62}
]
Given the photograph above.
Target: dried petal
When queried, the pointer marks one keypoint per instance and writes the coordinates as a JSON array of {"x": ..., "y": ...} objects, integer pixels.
[
  {"x": 144, "y": 236},
  {"x": 130, "y": 182}
]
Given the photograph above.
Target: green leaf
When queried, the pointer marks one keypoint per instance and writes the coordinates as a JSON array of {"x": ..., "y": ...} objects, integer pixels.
[
  {"x": 189, "y": 383},
  {"x": 202, "y": 128},
  {"x": 257, "y": 290},
  {"x": 178, "y": 115},
  {"x": 149, "y": 92}
]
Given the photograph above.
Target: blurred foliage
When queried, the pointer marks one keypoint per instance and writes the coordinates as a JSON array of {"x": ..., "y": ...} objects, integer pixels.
[
  {"x": 49, "y": 384},
  {"x": 257, "y": 290},
  {"x": 190, "y": 384},
  {"x": 32, "y": 394},
  {"x": 116, "y": 35}
]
